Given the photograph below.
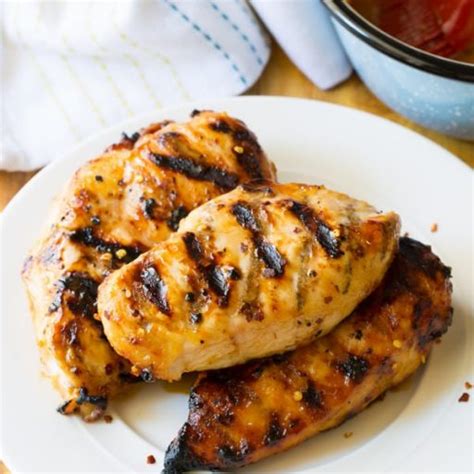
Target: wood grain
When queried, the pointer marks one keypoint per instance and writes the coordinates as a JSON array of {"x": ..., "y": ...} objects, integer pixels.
[
  {"x": 11, "y": 183},
  {"x": 282, "y": 78}
]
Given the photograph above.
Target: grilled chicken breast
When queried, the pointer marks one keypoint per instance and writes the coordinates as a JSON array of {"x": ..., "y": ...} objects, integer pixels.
[
  {"x": 114, "y": 208},
  {"x": 245, "y": 413},
  {"x": 258, "y": 271}
]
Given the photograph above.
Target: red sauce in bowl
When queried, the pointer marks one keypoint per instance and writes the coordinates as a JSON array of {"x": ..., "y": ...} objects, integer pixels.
[{"x": 441, "y": 27}]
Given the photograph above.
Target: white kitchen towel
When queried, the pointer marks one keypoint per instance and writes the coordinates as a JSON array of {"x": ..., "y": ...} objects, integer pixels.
[
  {"x": 304, "y": 30},
  {"x": 70, "y": 69}
]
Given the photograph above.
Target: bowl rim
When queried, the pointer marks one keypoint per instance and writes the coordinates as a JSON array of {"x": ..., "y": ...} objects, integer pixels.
[{"x": 354, "y": 22}]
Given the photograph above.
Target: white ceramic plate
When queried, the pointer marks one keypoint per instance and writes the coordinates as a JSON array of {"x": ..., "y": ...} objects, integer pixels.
[{"x": 420, "y": 427}]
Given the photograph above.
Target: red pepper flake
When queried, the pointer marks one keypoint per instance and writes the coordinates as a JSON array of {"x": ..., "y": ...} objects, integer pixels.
[
  {"x": 434, "y": 227},
  {"x": 150, "y": 459},
  {"x": 464, "y": 397},
  {"x": 108, "y": 418},
  {"x": 468, "y": 385}
]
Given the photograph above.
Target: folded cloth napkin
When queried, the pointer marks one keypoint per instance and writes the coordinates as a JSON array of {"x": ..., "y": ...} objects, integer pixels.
[
  {"x": 304, "y": 30},
  {"x": 73, "y": 68}
]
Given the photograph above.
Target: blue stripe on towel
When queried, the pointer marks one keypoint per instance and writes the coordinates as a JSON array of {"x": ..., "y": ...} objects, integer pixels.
[
  {"x": 208, "y": 38},
  {"x": 235, "y": 27},
  {"x": 245, "y": 9}
]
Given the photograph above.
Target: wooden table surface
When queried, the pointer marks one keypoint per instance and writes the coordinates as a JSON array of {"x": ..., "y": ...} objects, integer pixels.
[{"x": 282, "y": 78}]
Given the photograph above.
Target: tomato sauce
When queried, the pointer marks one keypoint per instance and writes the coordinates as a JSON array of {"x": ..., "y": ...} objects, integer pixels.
[{"x": 441, "y": 27}]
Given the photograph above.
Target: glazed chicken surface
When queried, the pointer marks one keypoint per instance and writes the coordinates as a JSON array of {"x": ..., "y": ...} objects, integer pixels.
[
  {"x": 243, "y": 414},
  {"x": 258, "y": 271},
  {"x": 114, "y": 208}
]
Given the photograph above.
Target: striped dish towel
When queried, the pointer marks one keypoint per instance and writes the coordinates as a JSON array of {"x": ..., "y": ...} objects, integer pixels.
[{"x": 71, "y": 69}]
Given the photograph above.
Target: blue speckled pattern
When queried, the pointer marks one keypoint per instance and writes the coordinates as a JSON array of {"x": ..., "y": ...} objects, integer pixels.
[{"x": 436, "y": 102}]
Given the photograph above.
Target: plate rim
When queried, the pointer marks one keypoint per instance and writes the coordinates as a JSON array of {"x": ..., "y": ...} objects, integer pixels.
[{"x": 5, "y": 215}]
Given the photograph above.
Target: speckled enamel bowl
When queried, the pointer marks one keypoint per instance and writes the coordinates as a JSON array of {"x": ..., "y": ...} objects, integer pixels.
[{"x": 435, "y": 92}]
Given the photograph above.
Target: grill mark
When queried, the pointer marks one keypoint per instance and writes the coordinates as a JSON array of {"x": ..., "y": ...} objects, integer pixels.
[
  {"x": 231, "y": 456},
  {"x": 317, "y": 227},
  {"x": 220, "y": 126},
  {"x": 148, "y": 207},
  {"x": 247, "y": 159},
  {"x": 353, "y": 368},
  {"x": 274, "y": 262},
  {"x": 238, "y": 130},
  {"x": 218, "y": 283},
  {"x": 245, "y": 217},
  {"x": 312, "y": 397},
  {"x": 267, "y": 252},
  {"x": 215, "y": 275},
  {"x": 242, "y": 134},
  {"x": 154, "y": 288},
  {"x": 126, "y": 141},
  {"x": 82, "y": 292},
  {"x": 130, "y": 138},
  {"x": 86, "y": 236},
  {"x": 176, "y": 215},
  {"x": 421, "y": 254},
  {"x": 200, "y": 172},
  {"x": 166, "y": 138},
  {"x": 193, "y": 247},
  {"x": 179, "y": 456},
  {"x": 275, "y": 430},
  {"x": 251, "y": 164}
]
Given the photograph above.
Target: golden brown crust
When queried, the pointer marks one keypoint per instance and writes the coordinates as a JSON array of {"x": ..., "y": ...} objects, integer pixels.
[
  {"x": 260, "y": 270},
  {"x": 114, "y": 208},
  {"x": 245, "y": 413}
]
